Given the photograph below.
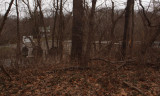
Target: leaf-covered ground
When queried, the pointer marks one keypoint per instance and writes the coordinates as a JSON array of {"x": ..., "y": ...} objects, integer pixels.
[{"x": 99, "y": 80}]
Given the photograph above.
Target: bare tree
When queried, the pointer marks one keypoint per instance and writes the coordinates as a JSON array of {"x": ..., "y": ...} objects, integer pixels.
[
  {"x": 28, "y": 6},
  {"x": 114, "y": 22},
  {"x": 132, "y": 31},
  {"x": 34, "y": 16},
  {"x": 90, "y": 34},
  {"x": 152, "y": 38},
  {"x": 55, "y": 20},
  {"x": 35, "y": 21},
  {"x": 77, "y": 30},
  {"x": 5, "y": 16},
  {"x": 43, "y": 23},
  {"x": 128, "y": 11},
  {"x": 18, "y": 54},
  {"x": 1, "y": 29},
  {"x": 61, "y": 29}
]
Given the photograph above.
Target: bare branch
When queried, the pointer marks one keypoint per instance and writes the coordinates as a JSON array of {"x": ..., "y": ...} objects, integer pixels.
[
  {"x": 145, "y": 16},
  {"x": 5, "y": 17}
]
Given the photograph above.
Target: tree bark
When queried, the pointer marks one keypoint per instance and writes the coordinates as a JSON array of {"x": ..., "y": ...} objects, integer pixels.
[
  {"x": 18, "y": 54},
  {"x": 126, "y": 27},
  {"x": 90, "y": 34},
  {"x": 132, "y": 31},
  {"x": 61, "y": 29},
  {"x": 54, "y": 26},
  {"x": 77, "y": 30},
  {"x": 113, "y": 24}
]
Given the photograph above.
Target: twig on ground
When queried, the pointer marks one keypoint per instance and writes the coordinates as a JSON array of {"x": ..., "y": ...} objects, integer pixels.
[
  {"x": 134, "y": 88},
  {"x": 127, "y": 62},
  {"x": 69, "y": 69},
  {"x": 100, "y": 59}
]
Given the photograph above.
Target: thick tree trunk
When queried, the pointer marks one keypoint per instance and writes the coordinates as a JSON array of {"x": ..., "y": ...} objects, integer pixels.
[
  {"x": 126, "y": 27},
  {"x": 132, "y": 31},
  {"x": 77, "y": 30},
  {"x": 90, "y": 34}
]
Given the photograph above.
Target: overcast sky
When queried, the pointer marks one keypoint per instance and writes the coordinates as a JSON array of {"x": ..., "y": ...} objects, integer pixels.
[{"x": 47, "y": 5}]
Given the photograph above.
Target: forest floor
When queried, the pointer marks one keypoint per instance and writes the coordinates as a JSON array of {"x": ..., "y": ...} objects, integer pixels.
[{"x": 100, "y": 79}]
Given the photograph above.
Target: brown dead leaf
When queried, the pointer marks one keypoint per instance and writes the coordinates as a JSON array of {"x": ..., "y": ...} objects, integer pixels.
[{"x": 122, "y": 93}]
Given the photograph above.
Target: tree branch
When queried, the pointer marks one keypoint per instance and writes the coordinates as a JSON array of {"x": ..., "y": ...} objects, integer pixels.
[{"x": 5, "y": 16}]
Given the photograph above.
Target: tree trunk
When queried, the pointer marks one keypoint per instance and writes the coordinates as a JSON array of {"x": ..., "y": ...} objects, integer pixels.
[
  {"x": 126, "y": 27},
  {"x": 114, "y": 22},
  {"x": 77, "y": 30},
  {"x": 132, "y": 31},
  {"x": 61, "y": 29},
  {"x": 18, "y": 54},
  {"x": 112, "y": 30},
  {"x": 150, "y": 42},
  {"x": 5, "y": 16},
  {"x": 43, "y": 23},
  {"x": 90, "y": 34},
  {"x": 36, "y": 27},
  {"x": 54, "y": 26},
  {"x": 35, "y": 21}
]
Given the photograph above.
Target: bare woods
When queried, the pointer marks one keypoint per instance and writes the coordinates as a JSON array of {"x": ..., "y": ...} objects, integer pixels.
[{"x": 37, "y": 35}]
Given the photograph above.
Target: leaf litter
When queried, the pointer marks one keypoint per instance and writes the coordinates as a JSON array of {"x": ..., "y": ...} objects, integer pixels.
[{"x": 96, "y": 81}]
